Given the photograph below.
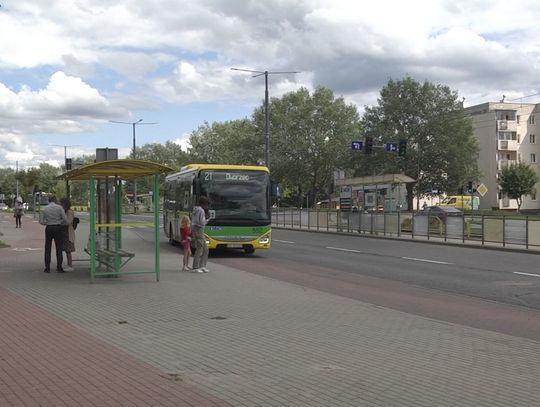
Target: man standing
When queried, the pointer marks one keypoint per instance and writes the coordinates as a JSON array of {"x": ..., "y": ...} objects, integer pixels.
[
  {"x": 54, "y": 218},
  {"x": 198, "y": 221}
]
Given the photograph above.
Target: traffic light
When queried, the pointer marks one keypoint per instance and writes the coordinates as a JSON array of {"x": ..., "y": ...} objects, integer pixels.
[
  {"x": 369, "y": 145},
  {"x": 470, "y": 188},
  {"x": 402, "y": 147},
  {"x": 68, "y": 164}
]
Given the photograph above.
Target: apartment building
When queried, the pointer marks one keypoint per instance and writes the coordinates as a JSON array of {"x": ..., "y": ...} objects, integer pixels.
[{"x": 506, "y": 133}]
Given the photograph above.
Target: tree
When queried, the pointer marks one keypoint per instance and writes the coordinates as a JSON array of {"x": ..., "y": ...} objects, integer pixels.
[
  {"x": 170, "y": 154},
  {"x": 310, "y": 136},
  {"x": 441, "y": 149},
  {"x": 7, "y": 183},
  {"x": 517, "y": 180},
  {"x": 231, "y": 142}
]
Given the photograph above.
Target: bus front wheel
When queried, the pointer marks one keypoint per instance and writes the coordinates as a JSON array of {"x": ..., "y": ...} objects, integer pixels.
[{"x": 249, "y": 250}]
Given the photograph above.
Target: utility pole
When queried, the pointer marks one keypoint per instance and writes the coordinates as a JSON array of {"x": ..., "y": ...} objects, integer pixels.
[
  {"x": 266, "y": 108},
  {"x": 138, "y": 122}
]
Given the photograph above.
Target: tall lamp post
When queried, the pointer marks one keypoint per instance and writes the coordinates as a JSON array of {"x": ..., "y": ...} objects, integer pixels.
[
  {"x": 133, "y": 124},
  {"x": 266, "y": 109},
  {"x": 66, "y": 164}
]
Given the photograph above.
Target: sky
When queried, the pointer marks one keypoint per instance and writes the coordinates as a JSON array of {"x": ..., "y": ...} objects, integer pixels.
[{"x": 70, "y": 67}]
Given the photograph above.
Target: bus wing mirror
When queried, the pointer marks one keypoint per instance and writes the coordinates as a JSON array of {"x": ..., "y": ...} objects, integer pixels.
[{"x": 274, "y": 189}]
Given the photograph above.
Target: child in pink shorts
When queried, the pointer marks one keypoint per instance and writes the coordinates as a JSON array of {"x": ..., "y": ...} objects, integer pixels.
[{"x": 185, "y": 238}]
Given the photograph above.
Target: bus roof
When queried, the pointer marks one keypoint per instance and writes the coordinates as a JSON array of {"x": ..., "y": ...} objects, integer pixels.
[{"x": 224, "y": 167}]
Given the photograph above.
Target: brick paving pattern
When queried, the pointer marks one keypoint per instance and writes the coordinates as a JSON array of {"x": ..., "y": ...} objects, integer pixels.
[{"x": 249, "y": 341}]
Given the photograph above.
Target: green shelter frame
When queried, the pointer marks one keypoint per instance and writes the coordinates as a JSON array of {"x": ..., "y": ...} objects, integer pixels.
[{"x": 108, "y": 176}]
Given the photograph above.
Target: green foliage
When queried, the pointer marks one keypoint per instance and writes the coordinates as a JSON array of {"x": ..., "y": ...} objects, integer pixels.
[
  {"x": 310, "y": 137},
  {"x": 441, "y": 149},
  {"x": 44, "y": 177},
  {"x": 170, "y": 154},
  {"x": 517, "y": 180},
  {"x": 7, "y": 182},
  {"x": 231, "y": 142}
]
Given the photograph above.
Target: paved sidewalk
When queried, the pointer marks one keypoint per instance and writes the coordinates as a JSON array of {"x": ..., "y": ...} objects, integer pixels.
[{"x": 233, "y": 338}]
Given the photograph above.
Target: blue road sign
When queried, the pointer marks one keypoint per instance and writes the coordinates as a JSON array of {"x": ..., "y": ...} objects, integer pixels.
[
  {"x": 357, "y": 145},
  {"x": 391, "y": 146}
]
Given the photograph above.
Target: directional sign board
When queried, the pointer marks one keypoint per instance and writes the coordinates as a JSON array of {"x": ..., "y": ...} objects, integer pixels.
[
  {"x": 391, "y": 146},
  {"x": 345, "y": 198},
  {"x": 357, "y": 145}
]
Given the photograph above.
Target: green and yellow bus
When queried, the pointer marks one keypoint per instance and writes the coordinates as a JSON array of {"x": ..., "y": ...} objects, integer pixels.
[{"x": 240, "y": 204}]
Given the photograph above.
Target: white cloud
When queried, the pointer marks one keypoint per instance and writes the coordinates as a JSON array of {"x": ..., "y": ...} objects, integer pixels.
[
  {"x": 62, "y": 106},
  {"x": 114, "y": 59},
  {"x": 183, "y": 142}
]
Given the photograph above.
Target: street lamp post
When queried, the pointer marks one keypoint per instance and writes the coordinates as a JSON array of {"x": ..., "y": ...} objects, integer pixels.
[
  {"x": 266, "y": 108},
  {"x": 133, "y": 124}
]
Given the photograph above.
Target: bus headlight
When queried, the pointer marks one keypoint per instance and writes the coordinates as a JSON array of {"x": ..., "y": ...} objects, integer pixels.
[{"x": 264, "y": 239}]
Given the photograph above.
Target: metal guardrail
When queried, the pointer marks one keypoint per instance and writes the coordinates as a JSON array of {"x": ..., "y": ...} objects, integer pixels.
[{"x": 503, "y": 230}]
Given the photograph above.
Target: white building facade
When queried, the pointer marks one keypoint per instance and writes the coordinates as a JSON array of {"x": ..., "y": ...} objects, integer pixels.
[{"x": 506, "y": 133}]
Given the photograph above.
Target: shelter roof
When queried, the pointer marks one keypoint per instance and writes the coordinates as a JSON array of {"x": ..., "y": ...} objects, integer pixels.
[{"x": 123, "y": 169}]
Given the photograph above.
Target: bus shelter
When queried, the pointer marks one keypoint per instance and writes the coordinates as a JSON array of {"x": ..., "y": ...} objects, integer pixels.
[{"x": 105, "y": 185}]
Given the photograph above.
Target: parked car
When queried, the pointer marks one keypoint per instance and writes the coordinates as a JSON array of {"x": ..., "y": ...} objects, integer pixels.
[
  {"x": 440, "y": 211},
  {"x": 3, "y": 207}
]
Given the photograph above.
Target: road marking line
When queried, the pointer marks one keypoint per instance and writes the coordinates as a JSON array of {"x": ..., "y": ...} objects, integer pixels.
[
  {"x": 343, "y": 250},
  {"x": 283, "y": 241},
  {"x": 526, "y": 274},
  {"x": 425, "y": 260}
]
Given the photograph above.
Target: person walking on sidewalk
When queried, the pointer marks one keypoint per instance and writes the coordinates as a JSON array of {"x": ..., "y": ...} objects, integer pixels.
[
  {"x": 199, "y": 219},
  {"x": 185, "y": 238},
  {"x": 18, "y": 213},
  {"x": 53, "y": 217},
  {"x": 69, "y": 233}
]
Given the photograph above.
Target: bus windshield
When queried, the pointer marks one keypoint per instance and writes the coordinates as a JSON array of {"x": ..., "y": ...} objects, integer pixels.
[{"x": 237, "y": 196}]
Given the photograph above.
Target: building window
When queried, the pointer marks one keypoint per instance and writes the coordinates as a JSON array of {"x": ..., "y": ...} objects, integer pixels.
[
  {"x": 533, "y": 158},
  {"x": 518, "y": 119},
  {"x": 532, "y": 139},
  {"x": 533, "y": 194},
  {"x": 507, "y": 135},
  {"x": 531, "y": 119}
]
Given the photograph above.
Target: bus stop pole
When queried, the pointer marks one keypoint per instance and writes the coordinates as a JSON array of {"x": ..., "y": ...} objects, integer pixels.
[
  {"x": 92, "y": 221},
  {"x": 155, "y": 197}
]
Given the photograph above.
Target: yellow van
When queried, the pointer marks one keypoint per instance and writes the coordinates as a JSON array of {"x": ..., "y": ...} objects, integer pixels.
[{"x": 461, "y": 201}]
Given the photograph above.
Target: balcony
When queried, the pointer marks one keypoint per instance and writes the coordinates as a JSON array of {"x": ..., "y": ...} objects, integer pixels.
[
  {"x": 507, "y": 145},
  {"x": 506, "y": 125}
]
